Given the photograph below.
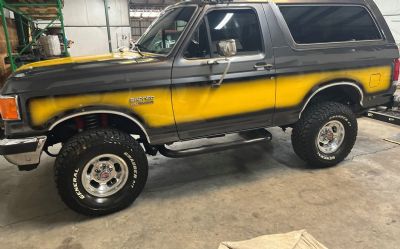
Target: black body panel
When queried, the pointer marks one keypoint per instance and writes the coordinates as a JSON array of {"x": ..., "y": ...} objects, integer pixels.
[{"x": 174, "y": 73}]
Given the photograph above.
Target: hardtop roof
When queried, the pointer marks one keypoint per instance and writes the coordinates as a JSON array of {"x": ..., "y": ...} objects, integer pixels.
[{"x": 202, "y": 2}]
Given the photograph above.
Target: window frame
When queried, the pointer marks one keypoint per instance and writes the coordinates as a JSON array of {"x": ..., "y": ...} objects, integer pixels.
[
  {"x": 205, "y": 18},
  {"x": 287, "y": 32},
  {"x": 184, "y": 31},
  {"x": 186, "y": 45}
]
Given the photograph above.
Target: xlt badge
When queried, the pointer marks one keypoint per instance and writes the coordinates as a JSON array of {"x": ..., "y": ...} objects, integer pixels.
[{"x": 145, "y": 100}]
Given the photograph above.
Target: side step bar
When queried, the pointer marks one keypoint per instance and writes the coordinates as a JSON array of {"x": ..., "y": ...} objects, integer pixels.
[
  {"x": 388, "y": 116},
  {"x": 249, "y": 138}
]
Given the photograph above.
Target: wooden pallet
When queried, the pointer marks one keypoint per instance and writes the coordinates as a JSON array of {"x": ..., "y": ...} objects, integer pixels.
[
  {"x": 37, "y": 12},
  {"x": 32, "y": 1}
]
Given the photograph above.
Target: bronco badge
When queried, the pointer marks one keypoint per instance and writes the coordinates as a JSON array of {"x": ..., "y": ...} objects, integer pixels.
[{"x": 145, "y": 100}]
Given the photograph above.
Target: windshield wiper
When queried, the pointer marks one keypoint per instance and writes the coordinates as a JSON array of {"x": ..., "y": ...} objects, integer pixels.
[{"x": 138, "y": 49}]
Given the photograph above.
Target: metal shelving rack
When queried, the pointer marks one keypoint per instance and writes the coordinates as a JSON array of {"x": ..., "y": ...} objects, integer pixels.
[{"x": 33, "y": 13}]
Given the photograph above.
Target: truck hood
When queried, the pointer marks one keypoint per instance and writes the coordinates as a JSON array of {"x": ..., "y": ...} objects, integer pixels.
[
  {"x": 87, "y": 74},
  {"x": 79, "y": 59}
]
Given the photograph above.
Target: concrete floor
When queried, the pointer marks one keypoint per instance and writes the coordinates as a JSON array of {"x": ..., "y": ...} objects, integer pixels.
[{"x": 233, "y": 195}]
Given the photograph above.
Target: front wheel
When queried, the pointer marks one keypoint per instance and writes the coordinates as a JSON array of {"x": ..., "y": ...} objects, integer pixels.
[
  {"x": 325, "y": 134},
  {"x": 100, "y": 171}
]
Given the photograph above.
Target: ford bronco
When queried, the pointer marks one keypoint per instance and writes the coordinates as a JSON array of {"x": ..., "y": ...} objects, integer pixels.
[{"x": 203, "y": 69}]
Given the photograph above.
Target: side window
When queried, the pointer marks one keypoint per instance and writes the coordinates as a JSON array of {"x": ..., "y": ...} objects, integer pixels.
[
  {"x": 323, "y": 24},
  {"x": 165, "y": 32},
  {"x": 241, "y": 25},
  {"x": 198, "y": 45}
]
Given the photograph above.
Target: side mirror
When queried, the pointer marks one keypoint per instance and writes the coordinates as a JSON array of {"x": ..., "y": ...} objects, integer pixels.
[{"x": 227, "y": 48}]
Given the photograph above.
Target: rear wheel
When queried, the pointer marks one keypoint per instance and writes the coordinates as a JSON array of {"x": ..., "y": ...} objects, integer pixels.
[
  {"x": 100, "y": 171},
  {"x": 325, "y": 134}
]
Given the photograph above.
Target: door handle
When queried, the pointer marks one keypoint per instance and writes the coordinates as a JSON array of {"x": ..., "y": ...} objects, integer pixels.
[
  {"x": 263, "y": 66},
  {"x": 219, "y": 61}
]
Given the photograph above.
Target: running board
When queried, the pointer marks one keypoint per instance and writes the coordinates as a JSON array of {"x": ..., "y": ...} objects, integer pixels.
[
  {"x": 388, "y": 116},
  {"x": 249, "y": 138}
]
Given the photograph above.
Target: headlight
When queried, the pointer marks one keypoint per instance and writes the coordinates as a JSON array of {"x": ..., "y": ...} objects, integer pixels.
[{"x": 9, "y": 108}]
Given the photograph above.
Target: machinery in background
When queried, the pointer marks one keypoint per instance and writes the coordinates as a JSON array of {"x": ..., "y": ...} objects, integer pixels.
[
  {"x": 40, "y": 29},
  {"x": 50, "y": 46}
]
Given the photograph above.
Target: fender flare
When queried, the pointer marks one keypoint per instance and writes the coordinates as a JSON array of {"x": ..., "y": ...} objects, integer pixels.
[
  {"x": 137, "y": 122},
  {"x": 343, "y": 83}
]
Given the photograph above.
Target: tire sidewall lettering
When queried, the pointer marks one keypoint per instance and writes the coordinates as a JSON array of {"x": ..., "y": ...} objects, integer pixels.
[
  {"x": 134, "y": 169},
  {"x": 341, "y": 118},
  {"x": 325, "y": 157},
  {"x": 75, "y": 184}
]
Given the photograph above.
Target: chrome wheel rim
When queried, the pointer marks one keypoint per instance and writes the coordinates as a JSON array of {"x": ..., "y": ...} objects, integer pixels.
[
  {"x": 330, "y": 137},
  {"x": 104, "y": 175}
]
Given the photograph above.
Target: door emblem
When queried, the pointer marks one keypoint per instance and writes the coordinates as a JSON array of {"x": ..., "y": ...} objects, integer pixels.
[{"x": 145, "y": 100}]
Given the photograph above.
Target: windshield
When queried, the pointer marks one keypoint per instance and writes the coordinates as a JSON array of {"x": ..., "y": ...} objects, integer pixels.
[{"x": 165, "y": 31}]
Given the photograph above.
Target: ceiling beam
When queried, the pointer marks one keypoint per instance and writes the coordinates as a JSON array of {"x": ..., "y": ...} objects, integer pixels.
[{"x": 147, "y": 4}]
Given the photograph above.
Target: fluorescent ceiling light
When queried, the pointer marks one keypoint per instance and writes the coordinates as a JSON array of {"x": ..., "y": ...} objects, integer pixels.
[
  {"x": 154, "y": 14},
  {"x": 224, "y": 21},
  {"x": 136, "y": 14},
  {"x": 144, "y": 13}
]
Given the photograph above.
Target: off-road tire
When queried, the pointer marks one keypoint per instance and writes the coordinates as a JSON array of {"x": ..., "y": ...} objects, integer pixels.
[
  {"x": 79, "y": 150},
  {"x": 306, "y": 130}
]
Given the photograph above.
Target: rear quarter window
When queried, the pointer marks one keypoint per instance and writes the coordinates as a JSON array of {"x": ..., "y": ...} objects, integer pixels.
[{"x": 326, "y": 24}]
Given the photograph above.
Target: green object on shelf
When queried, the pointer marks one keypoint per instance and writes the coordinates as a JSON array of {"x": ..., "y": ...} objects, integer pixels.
[{"x": 31, "y": 14}]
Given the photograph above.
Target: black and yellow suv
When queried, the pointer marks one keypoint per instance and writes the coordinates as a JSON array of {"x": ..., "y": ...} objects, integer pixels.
[{"x": 202, "y": 70}]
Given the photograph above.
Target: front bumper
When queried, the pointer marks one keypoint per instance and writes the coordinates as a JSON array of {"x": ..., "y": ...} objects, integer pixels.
[{"x": 23, "y": 151}]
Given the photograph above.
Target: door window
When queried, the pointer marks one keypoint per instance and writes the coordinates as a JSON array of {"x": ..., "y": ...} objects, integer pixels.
[
  {"x": 242, "y": 25},
  {"x": 198, "y": 45}
]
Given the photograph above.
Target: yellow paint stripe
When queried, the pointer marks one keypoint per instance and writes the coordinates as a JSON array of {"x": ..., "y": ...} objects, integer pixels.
[
  {"x": 200, "y": 103},
  {"x": 291, "y": 90},
  {"x": 155, "y": 115}
]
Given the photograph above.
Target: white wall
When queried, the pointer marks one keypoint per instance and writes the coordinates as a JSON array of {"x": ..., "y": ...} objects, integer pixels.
[
  {"x": 94, "y": 39},
  {"x": 391, "y": 11},
  {"x": 85, "y": 24}
]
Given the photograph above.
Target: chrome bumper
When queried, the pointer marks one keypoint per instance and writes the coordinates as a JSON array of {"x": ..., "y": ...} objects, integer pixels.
[{"x": 23, "y": 151}]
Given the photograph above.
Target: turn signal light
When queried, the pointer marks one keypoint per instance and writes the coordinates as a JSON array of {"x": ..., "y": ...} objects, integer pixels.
[
  {"x": 396, "y": 70},
  {"x": 9, "y": 108}
]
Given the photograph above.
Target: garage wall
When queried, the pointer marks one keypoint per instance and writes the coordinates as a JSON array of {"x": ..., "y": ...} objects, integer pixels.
[
  {"x": 139, "y": 26},
  {"x": 86, "y": 18},
  {"x": 391, "y": 11},
  {"x": 85, "y": 24},
  {"x": 5, "y": 69}
]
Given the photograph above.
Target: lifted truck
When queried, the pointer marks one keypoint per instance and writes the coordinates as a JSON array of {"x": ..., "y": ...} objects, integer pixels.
[{"x": 202, "y": 70}]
